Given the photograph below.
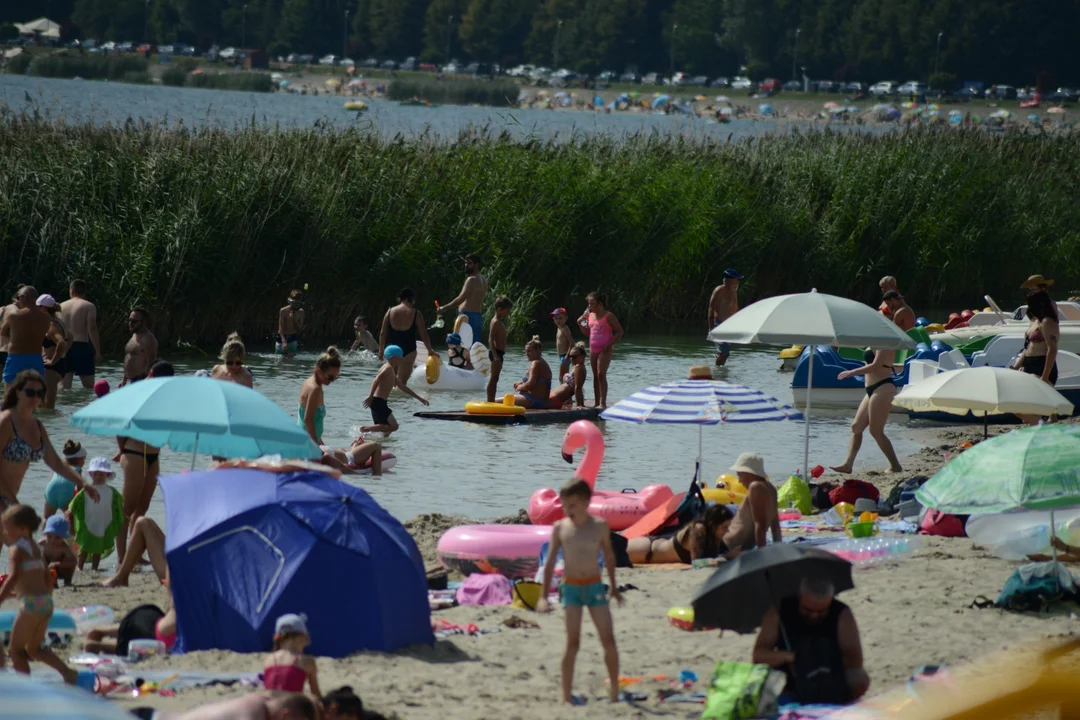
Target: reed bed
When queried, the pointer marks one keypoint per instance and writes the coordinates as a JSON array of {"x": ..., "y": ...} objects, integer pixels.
[
  {"x": 125, "y": 68},
  {"x": 246, "y": 81},
  {"x": 455, "y": 92},
  {"x": 212, "y": 228}
]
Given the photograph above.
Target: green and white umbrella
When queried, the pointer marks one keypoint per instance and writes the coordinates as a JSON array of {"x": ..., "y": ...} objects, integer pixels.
[{"x": 1035, "y": 468}]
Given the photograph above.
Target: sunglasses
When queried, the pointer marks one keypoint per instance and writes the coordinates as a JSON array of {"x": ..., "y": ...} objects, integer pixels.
[
  {"x": 32, "y": 393},
  {"x": 234, "y": 363},
  {"x": 329, "y": 378}
]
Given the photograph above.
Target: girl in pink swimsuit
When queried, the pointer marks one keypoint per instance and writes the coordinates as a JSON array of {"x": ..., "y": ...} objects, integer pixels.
[
  {"x": 287, "y": 668},
  {"x": 603, "y": 331}
]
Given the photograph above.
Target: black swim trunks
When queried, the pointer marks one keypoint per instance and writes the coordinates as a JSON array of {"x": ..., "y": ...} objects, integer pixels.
[
  {"x": 380, "y": 411},
  {"x": 80, "y": 359}
]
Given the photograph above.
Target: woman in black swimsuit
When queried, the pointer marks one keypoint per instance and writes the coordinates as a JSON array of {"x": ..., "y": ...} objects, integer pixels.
[
  {"x": 400, "y": 326},
  {"x": 1039, "y": 356},
  {"x": 53, "y": 349},
  {"x": 701, "y": 538},
  {"x": 874, "y": 409}
]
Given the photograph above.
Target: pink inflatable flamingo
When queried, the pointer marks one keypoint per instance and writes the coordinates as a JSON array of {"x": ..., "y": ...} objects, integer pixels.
[{"x": 620, "y": 509}]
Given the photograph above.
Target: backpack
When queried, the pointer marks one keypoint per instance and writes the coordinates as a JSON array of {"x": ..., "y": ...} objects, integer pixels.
[
  {"x": 938, "y": 523},
  {"x": 853, "y": 490}
]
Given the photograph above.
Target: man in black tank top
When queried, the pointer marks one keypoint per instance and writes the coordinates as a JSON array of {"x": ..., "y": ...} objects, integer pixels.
[{"x": 814, "y": 639}]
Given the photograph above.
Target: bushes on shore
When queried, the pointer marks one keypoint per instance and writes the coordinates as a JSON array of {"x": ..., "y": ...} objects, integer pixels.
[
  {"x": 250, "y": 82},
  {"x": 211, "y": 228},
  {"x": 91, "y": 67},
  {"x": 498, "y": 93}
]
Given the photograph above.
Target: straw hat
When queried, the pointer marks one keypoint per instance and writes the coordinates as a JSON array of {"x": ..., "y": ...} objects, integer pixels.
[
  {"x": 700, "y": 372},
  {"x": 751, "y": 463},
  {"x": 1035, "y": 281}
]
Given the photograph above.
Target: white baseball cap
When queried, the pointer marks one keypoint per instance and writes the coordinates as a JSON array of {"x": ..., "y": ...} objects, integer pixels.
[
  {"x": 291, "y": 624},
  {"x": 46, "y": 300}
]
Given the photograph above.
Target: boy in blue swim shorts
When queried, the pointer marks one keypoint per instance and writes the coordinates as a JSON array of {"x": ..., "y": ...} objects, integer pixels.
[{"x": 582, "y": 537}]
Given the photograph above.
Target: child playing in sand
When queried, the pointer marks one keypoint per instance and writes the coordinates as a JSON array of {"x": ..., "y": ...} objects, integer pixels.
[
  {"x": 287, "y": 668},
  {"x": 384, "y": 382},
  {"x": 27, "y": 578},
  {"x": 55, "y": 549},
  {"x": 97, "y": 523},
  {"x": 563, "y": 339},
  {"x": 58, "y": 492},
  {"x": 580, "y": 536}
]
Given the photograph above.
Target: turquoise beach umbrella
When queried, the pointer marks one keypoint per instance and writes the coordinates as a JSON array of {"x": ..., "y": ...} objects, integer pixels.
[
  {"x": 194, "y": 414},
  {"x": 1035, "y": 468}
]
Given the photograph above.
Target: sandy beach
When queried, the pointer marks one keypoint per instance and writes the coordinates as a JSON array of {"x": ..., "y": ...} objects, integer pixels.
[{"x": 910, "y": 612}]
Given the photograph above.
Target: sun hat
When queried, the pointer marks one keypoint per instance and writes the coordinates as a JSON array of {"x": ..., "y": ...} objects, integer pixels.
[
  {"x": 101, "y": 387},
  {"x": 100, "y": 464},
  {"x": 49, "y": 301},
  {"x": 291, "y": 624},
  {"x": 733, "y": 274},
  {"x": 1032, "y": 282},
  {"x": 57, "y": 525},
  {"x": 700, "y": 372},
  {"x": 453, "y": 339},
  {"x": 557, "y": 311},
  {"x": 752, "y": 463},
  {"x": 393, "y": 351}
]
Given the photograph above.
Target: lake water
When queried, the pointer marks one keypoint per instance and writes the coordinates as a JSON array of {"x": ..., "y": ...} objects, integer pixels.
[
  {"x": 485, "y": 471},
  {"x": 105, "y": 102}
]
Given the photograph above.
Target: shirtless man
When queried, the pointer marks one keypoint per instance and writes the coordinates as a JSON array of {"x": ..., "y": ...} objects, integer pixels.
[
  {"x": 4, "y": 311},
  {"x": 901, "y": 314},
  {"x": 79, "y": 316},
  {"x": 141, "y": 350},
  {"x": 497, "y": 343},
  {"x": 290, "y": 325},
  {"x": 887, "y": 285},
  {"x": 723, "y": 304},
  {"x": 471, "y": 297},
  {"x": 757, "y": 514},
  {"x": 24, "y": 329}
]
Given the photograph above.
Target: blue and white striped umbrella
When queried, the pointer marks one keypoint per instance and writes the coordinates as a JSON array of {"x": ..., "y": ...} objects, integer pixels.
[
  {"x": 25, "y": 698},
  {"x": 700, "y": 402}
]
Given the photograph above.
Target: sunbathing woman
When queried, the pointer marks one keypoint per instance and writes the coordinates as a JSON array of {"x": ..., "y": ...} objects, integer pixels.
[
  {"x": 701, "y": 538},
  {"x": 356, "y": 457}
]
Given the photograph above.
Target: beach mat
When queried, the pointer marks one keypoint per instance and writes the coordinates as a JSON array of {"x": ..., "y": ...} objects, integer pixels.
[{"x": 656, "y": 520}]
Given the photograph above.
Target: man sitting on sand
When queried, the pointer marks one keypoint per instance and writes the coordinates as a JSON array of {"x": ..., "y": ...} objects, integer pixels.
[
  {"x": 819, "y": 648},
  {"x": 758, "y": 512}
]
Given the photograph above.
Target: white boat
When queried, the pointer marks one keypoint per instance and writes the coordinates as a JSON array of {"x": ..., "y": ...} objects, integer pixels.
[
  {"x": 834, "y": 398},
  {"x": 996, "y": 322}
]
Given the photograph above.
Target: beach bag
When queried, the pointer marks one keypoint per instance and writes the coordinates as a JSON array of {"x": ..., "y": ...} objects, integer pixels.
[
  {"x": 819, "y": 495},
  {"x": 938, "y": 523},
  {"x": 484, "y": 589},
  {"x": 1034, "y": 588},
  {"x": 795, "y": 493},
  {"x": 739, "y": 691},
  {"x": 853, "y": 490},
  {"x": 526, "y": 594}
]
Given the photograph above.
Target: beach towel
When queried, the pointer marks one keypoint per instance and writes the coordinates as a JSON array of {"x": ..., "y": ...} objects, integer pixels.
[
  {"x": 97, "y": 523},
  {"x": 485, "y": 589}
]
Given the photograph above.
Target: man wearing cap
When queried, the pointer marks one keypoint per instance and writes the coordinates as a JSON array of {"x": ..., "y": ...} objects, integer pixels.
[
  {"x": 25, "y": 329},
  {"x": 471, "y": 297},
  {"x": 757, "y": 514},
  {"x": 902, "y": 316},
  {"x": 723, "y": 304}
]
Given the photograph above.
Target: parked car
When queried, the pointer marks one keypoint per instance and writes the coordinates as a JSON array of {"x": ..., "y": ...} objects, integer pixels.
[
  {"x": 793, "y": 86},
  {"x": 1025, "y": 94},
  {"x": 653, "y": 79},
  {"x": 678, "y": 79},
  {"x": 630, "y": 77},
  {"x": 969, "y": 93},
  {"x": 125, "y": 47},
  {"x": 1002, "y": 92},
  {"x": 1064, "y": 94},
  {"x": 164, "y": 50},
  {"x": 699, "y": 81},
  {"x": 769, "y": 85},
  {"x": 854, "y": 87},
  {"x": 742, "y": 83},
  {"x": 912, "y": 87},
  {"x": 231, "y": 53},
  {"x": 607, "y": 76},
  {"x": 520, "y": 71},
  {"x": 409, "y": 64},
  {"x": 388, "y": 65},
  {"x": 428, "y": 67},
  {"x": 886, "y": 87},
  {"x": 720, "y": 82},
  {"x": 371, "y": 63},
  {"x": 826, "y": 86},
  {"x": 324, "y": 60}
]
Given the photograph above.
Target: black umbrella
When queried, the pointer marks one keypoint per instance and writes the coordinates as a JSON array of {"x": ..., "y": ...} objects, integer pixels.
[{"x": 737, "y": 595}]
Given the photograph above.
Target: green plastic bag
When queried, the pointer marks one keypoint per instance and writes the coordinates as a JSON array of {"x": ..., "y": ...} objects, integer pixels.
[
  {"x": 737, "y": 691},
  {"x": 795, "y": 493}
]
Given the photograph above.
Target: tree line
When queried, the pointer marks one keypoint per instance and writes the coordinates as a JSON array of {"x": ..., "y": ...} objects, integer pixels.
[{"x": 1019, "y": 42}]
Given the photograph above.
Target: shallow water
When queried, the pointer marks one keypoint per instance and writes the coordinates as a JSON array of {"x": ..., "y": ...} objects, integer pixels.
[
  {"x": 483, "y": 471},
  {"x": 104, "y": 102}
]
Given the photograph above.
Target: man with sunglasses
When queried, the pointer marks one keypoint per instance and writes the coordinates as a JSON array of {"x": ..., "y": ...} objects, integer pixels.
[
  {"x": 819, "y": 647},
  {"x": 24, "y": 329},
  {"x": 142, "y": 349}
]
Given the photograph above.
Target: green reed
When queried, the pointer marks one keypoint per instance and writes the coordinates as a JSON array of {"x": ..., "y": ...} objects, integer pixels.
[
  {"x": 247, "y": 81},
  {"x": 455, "y": 92},
  {"x": 91, "y": 67},
  {"x": 212, "y": 228}
]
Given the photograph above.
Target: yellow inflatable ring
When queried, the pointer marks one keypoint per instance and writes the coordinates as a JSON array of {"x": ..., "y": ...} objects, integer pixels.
[
  {"x": 506, "y": 407},
  {"x": 431, "y": 369}
]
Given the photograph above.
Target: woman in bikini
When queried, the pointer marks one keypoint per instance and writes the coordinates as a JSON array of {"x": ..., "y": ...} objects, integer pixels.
[
  {"x": 23, "y": 440},
  {"x": 603, "y": 331},
  {"x": 53, "y": 349},
  {"x": 1039, "y": 356},
  {"x": 874, "y": 409},
  {"x": 534, "y": 390},
  {"x": 573, "y": 382},
  {"x": 232, "y": 367},
  {"x": 401, "y": 325},
  {"x": 703, "y": 538}
]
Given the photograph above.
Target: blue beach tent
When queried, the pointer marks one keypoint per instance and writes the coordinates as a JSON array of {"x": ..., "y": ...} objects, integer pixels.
[{"x": 245, "y": 546}]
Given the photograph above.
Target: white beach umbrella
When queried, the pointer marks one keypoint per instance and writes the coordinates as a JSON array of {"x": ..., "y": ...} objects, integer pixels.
[
  {"x": 811, "y": 318},
  {"x": 984, "y": 391}
]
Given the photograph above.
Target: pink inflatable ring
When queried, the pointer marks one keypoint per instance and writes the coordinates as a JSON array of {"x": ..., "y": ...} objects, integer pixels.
[{"x": 511, "y": 550}]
